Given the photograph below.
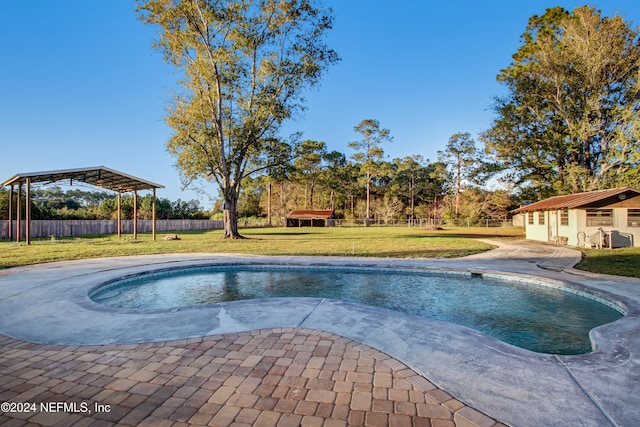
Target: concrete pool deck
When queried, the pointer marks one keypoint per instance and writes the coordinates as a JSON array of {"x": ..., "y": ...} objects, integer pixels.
[{"x": 48, "y": 304}]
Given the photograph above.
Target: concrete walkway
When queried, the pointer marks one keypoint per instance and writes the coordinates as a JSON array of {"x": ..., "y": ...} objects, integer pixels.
[{"x": 48, "y": 304}]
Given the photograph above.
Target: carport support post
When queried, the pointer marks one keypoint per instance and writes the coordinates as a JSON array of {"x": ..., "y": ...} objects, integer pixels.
[
  {"x": 27, "y": 213},
  {"x": 119, "y": 225},
  {"x": 10, "y": 216},
  {"x": 153, "y": 215},
  {"x": 18, "y": 213},
  {"x": 135, "y": 214}
]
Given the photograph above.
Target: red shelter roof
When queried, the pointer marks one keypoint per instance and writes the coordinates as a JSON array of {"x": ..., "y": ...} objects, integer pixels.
[{"x": 311, "y": 214}]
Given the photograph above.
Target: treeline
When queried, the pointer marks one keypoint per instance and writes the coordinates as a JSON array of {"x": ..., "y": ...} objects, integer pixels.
[
  {"x": 368, "y": 186},
  {"x": 54, "y": 203}
]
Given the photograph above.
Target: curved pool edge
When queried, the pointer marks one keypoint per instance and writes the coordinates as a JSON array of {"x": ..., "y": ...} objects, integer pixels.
[
  {"x": 513, "y": 385},
  {"x": 597, "y": 340}
]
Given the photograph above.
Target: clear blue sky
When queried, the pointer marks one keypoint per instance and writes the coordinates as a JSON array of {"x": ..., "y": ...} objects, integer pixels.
[{"x": 81, "y": 86}]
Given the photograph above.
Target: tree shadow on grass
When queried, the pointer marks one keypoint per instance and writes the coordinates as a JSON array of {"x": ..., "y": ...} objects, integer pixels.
[
  {"x": 301, "y": 233},
  {"x": 435, "y": 253}
]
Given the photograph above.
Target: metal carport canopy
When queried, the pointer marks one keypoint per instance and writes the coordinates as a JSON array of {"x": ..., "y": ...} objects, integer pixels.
[{"x": 98, "y": 176}]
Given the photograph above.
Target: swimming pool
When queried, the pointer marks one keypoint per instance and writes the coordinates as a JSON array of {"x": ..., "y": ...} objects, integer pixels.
[{"x": 538, "y": 318}]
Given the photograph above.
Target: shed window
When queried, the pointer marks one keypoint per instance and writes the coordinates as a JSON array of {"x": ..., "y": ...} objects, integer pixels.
[
  {"x": 530, "y": 218},
  {"x": 564, "y": 217},
  {"x": 633, "y": 217},
  {"x": 540, "y": 218},
  {"x": 599, "y": 217}
]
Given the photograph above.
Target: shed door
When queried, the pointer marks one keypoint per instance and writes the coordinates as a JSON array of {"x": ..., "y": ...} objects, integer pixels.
[{"x": 551, "y": 220}]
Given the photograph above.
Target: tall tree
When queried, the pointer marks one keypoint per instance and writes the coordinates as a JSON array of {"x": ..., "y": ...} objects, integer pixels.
[
  {"x": 335, "y": 176},
  {"x": 280, "y": 167},
  {"x": 414, "y": 183},
  {"x": 308, "y": 167},
  {"x": 462, "y": 158},
  {"x": 245, "y": 64},
  {"x": 570, "y": 119},
  {"x": 368, "y": 152}
]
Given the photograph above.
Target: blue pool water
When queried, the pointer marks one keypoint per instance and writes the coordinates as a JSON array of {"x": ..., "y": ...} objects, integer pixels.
[{"x": 537, "y": 318}]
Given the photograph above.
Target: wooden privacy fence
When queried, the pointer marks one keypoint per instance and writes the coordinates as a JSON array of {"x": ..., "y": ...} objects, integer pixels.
[{"x": 79, "y": 227}]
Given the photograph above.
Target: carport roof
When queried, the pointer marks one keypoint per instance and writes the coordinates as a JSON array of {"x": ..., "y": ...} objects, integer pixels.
[{"x": 98, "y": 176}]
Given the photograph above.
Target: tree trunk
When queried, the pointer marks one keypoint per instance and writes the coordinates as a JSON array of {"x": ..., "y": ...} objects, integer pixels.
[
  {"x": 368, "y": 199},
  {"x": 283, "y": 212},
  {"x": 413, "y": 199},
  {"x": 352, "y": 205},
  {"x": 230, "y": 211},
  {"x": 458, "y": 186},
  {"x": 269, "y": 204}
]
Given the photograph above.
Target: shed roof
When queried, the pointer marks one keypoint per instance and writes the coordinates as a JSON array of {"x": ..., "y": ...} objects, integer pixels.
[
  {"x": 588, "y": 199},
  {"x": 311, "y": 214},
  {"x": 98, "y": 176}
]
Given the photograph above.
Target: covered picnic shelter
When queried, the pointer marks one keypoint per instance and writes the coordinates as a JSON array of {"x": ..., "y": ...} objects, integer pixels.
[
  {"x": 98, "y": 176},
  {"x": 310, "y": 218}
]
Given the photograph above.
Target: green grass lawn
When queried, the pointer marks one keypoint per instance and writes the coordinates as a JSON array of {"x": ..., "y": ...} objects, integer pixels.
[
  {"x": 393, "y": 242},
  {"x": 399, "y": 242},
  {"x": 620, "y": 262}
]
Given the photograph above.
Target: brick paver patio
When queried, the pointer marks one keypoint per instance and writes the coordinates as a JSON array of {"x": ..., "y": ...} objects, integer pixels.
[{"x": 274, "y": 377}]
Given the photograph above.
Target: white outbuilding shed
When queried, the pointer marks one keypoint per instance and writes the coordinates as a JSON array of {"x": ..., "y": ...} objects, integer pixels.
[{"x": 604, "y": 218}]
